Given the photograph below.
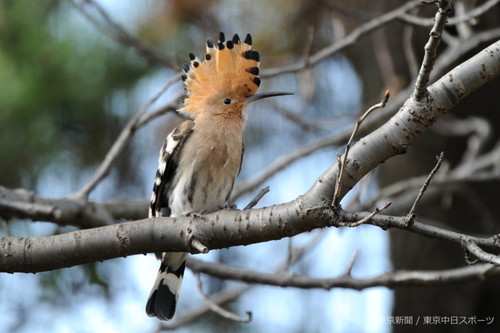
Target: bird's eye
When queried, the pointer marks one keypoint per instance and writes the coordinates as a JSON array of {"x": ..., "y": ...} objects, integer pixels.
[{"x": 227, "y": 101}]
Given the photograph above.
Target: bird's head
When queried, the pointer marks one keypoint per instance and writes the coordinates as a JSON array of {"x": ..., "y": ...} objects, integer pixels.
[{"x": 225, "y": 81}]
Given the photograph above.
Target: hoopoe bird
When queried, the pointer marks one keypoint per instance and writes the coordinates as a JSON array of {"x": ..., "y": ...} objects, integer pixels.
[{"x": 201, "y": 158}]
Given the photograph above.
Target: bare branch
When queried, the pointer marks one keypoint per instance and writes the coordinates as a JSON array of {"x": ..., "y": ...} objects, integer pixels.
[
  {"x": 390, "y": 279},
  {"x": 385, "y": 222},
  {"x": 25, "y": 204},
  {"x": 449, "y": 56},
  {"x": 257, "y": 198},
  {"x": 119, "y": 34},
  {"x": 395, "y": 136},
  {"x": 343, "y": 165},
  {"x": 171, "y": 107},
  {"x": 400, "y": 14},
  {"x": 411, "y": 214},
  {"x": 427, "y": 22},
  {"x": 218, "y": 230},
  {"x": 308, "y": 46},
  {"x": 216, "y": 308},
  {"x": 409, "y": 53},
  {"x": 350, "y": 264},
  {"x": 346, "y": 42},
  {"x": 478, "y": 130},
  {"x": 366, "y": 218},
  {"x": 484, "y": 168},
  {"x": 121, "y": 142},
  {"x": 222, "y": 297},
  {"x": 285, "y": 161},
  {"x": 296, "y": 119},
  {"x": 431, "y": 49},
  {"x": 481, "y": 254}
]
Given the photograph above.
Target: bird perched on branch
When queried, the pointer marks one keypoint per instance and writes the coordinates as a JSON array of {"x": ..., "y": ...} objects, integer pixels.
[{"x": 201, "y": 158}]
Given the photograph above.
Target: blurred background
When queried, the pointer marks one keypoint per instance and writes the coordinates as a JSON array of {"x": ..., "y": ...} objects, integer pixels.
[{"x": 69, "y": 84}]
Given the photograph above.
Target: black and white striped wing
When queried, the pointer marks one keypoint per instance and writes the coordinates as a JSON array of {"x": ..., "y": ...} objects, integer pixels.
[{"x": 167, "y": 168}]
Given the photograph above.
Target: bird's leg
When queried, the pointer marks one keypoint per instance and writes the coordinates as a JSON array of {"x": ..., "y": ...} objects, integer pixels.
[
  {"x": 228, "y": 206},
  {"x": 199, "y": 215}
]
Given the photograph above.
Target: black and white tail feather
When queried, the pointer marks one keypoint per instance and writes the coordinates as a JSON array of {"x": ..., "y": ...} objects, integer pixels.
[{"x": 165, "y": 293}]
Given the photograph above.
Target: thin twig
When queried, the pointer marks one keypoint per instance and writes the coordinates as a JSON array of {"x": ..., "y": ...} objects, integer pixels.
[
  {"x": 476, "y": 130},
  {"x": 343, "y": 165},
  {"x": 297, "y": 119},
  {"x": 431, "y": 49},
  {"x": 257, "y": 198},
  {"x": 472, "y": 14},
  {"x": 366, "y": 218},
  {"x": 170, "y": 107},
  {"x": 411, "y": 214},
  {"x": 308, "y": 46},
  {"x": 350, "y": 264},
  {"x": 221, "y": 297},
  {"x": 217, "y": 309},
  {"x": 289, "y": 256},
  {"x": 120, "y": 144},
  {"x": 409, "y": 53}
]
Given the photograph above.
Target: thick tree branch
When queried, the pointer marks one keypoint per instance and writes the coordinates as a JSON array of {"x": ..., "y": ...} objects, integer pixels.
[{"x": 217, "y": 230}]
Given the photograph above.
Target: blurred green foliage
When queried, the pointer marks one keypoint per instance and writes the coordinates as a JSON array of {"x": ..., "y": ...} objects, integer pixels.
[{"x": 56, "y": 88}]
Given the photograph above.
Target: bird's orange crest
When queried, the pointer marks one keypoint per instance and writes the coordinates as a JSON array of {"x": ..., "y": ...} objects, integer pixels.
[{"x": 229, "y": 67}]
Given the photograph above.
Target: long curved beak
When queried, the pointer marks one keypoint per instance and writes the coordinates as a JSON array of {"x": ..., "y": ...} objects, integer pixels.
[{"x": 256, "y": 97}]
